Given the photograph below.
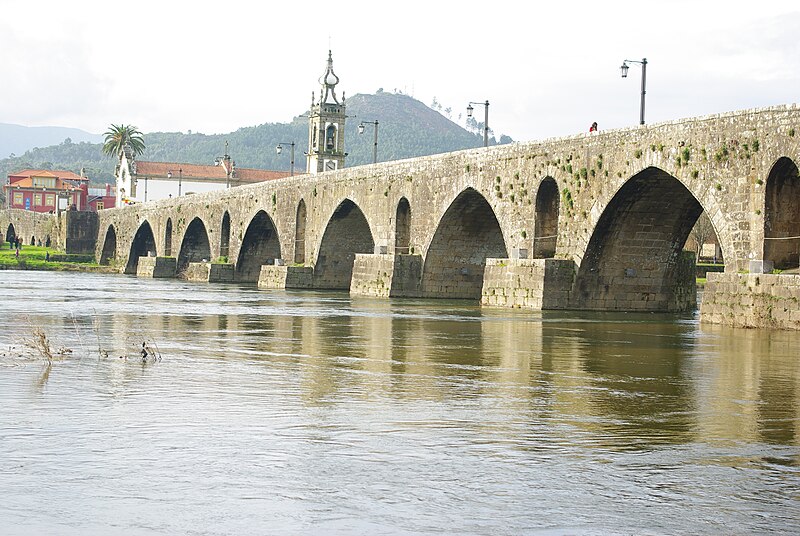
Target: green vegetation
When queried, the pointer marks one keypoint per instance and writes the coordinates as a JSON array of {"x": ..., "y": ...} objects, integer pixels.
[
  {"x": 35, "y": 258},
  {"x": 117, "y": 137},
  {"x": 721, "y": 154}
]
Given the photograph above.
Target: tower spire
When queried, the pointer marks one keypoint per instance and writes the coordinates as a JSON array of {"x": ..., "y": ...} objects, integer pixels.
[{"x": 326, "y": 125}]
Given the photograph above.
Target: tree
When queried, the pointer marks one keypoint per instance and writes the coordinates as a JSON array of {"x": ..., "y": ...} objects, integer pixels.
[
  {"x": 118, "y": 136},
  {"x": 702, "y": 232}
]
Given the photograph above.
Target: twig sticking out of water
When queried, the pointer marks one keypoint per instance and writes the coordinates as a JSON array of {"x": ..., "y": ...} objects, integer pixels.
[
  {"x": 102, "y": 352},
  {"x": 39, "y": 343},
  {"x": 149, "y": 352}
]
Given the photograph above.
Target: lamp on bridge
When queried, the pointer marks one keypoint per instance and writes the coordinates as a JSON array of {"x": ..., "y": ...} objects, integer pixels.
[
  {"x": 225, "y": 162},
  {"x": 180, "y": 179},
  {"x": 624, "y": 68},
  {"x": 279, "y": 150},
  {"x": 485, "y": 119},
  {"x": 361, "y": 127}
]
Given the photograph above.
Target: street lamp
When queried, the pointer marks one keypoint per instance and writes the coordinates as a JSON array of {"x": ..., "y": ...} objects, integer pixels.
[
  {"x": 624, "y": 69},
  {"x": 375, "y": 143},
  {"x": 180, "y": 179},
  {"x": 279, "y": 149},
  {"x": 485, "y": 119},
  {"x": 225, "y": 161}
]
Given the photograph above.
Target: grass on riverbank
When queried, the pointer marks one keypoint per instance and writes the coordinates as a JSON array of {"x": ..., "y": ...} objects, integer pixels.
[{"x": 35, "y": 258}]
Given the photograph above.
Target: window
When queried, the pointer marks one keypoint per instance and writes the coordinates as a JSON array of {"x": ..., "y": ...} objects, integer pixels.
[
  {"x": 18, "y": 198},
  {"x": 99, "y": 205},
  {"x": 50, "y": 200},
  {"x": 44, "y": 182},
  {"x": 37, "y": 199}
]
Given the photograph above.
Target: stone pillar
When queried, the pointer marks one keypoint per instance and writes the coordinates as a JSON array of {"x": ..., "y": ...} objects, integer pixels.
[
  {"x": 281, "y": 277},
  {"x": 210, "y": 272},
  {"x": 528, "y": 283},
  {"x": 386, "y": 275},
  {"x": 157, "y": 267},
  {"x": 752, "y": 300}
]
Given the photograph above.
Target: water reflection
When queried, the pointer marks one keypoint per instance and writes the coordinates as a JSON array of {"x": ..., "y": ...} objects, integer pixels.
[{"x": 383, "y": 411}]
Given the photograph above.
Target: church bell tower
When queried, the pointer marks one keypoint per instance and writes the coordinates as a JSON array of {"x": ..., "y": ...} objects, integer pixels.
[{"x": 326, "y": 125}]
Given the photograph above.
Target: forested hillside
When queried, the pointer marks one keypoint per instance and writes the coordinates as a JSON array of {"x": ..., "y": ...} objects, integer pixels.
[{"x": 406, "y": 128}]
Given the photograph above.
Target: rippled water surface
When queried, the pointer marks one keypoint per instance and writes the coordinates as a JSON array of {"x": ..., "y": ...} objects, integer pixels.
[{"x": 317, "y": 413}]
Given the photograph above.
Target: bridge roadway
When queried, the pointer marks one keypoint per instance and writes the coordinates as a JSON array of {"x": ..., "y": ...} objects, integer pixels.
[{"x": 592, "y": 221}]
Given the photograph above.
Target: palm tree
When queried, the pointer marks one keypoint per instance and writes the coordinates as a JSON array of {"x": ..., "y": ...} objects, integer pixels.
[{"x": 118, "y": 136}]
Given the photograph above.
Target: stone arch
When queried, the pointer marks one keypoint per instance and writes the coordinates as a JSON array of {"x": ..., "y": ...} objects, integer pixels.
[
  {"x": 468, "y": 233},
  {"x": 225, "y": 235},
  {"x": 109, "y": 252},
  {"x": 300, "y": 233},
  {"x": 346, "y": 234},
  {"x": 402, "y": 228},
  {"x": 143, "y": 245},
  {"x": 168, "y": 238},
  {"x": 33, "y": 240},
  {"x": 194, "y": 246},
  {"x": 633, "y": 259},
  {"x": 782, "y": 215},
  {"x": 259, "y": 246},
  {"x": 545, "y": 221},
  {"x": 47, "y": 241},
  {"x": 11, "y": 233}
]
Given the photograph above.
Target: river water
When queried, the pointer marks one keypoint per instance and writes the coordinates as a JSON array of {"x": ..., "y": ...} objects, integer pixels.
[{"x": 275, "y": 412}]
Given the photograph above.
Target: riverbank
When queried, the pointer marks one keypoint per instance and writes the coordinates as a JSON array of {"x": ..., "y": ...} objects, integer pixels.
[{"x": 47, "y": 259}]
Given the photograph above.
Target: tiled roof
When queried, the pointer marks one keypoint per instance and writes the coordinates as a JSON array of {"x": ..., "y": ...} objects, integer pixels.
[
  {"x": 201, "y": 172},
  {"x": 61, "y": 174},
  {"x": 27, "y": 182}
]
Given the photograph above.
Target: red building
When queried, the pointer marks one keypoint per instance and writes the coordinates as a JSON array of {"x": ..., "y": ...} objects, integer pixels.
[
  {"x": 42, "y": 190},
  {"x": 100, "y": 198}
]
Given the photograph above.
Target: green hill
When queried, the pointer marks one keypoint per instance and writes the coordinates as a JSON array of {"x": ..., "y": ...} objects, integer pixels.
[{"x": 406, "y": 128}]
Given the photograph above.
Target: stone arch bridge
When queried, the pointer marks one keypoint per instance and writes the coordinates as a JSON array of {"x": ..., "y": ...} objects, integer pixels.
[{"x": 593, "y": 221}]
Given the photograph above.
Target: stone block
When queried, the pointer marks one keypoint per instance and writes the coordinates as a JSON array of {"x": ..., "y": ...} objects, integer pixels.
[
  {"x": 157, "y": 267},
  {"x": 761, "y": 266}
]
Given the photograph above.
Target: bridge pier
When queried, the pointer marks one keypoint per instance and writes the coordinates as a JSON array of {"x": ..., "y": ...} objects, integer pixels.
[
  {"x": 157, "y": 267},
  {"x": 386, "y": 276},
  {"x": 528, "y": 283},
  {"x": 282, "y": 277},
  {"x": 210, "y": 272},
  {"x": 754, "y": 300}
]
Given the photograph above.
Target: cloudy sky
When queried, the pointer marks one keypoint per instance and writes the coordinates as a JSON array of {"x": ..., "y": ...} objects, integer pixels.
[{"x": 548, "y": 69}]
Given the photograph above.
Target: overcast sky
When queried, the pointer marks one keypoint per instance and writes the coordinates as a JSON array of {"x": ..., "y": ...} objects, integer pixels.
[{"x": 547, "y": 68}]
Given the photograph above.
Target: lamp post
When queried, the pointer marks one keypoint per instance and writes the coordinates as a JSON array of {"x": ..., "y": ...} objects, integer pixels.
[
  {"x": 180, "y": 179},
  {"x": 485, "y": 119},
  {"x": 279, "y": 150},
  {"x": 361, "y": 126},
  {"x": 225, "y": 161},
  {"x": 624, "y": 69}
]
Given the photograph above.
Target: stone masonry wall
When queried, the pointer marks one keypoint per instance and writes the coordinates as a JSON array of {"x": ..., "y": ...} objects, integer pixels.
[
  {"x": 752, "y": 300},
  {"x": 722, "y": 160},
  {"x": 28, "y": 224},
  {"x": 528, "y": 283}
]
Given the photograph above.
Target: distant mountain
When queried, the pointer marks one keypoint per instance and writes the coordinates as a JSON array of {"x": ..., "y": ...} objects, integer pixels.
[
  {"x": 406, "y": 128},
  {"x": 16, "y": 139}
]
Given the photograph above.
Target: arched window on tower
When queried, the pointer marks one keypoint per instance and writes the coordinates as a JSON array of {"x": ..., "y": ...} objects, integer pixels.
[{"x": 330, "y": 137}]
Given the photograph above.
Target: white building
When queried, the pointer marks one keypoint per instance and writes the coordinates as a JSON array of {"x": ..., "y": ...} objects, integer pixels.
[{"x": 141, "y": 181}]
